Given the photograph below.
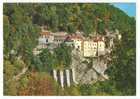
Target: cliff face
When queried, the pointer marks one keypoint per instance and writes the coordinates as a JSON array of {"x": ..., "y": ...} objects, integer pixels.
[
  {"x": 88, "y": 70},
  {"x": 92, "y": 69}
]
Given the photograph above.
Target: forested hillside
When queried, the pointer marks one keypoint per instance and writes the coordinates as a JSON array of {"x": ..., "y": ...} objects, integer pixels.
[{"x": 24, "y": 73}]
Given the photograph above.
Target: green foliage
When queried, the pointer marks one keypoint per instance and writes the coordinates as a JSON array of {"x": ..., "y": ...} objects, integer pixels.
[
  {"x": 9, "y": 70},
  {"x": 63, "y": 54},
  {"x": 10, "y": 86},
  {"x": 70, "y": 91},
  {"x": 60, "y": 58},
  {"x": 36, "y": 64},
  {"x": 20, "y": 34},
  {"x": 85, "y": 90},
  {"x": 6, "y": 34},
  {"x": 100, "y": 88},
  {"x": 46, "y": 57},
  {"x": 122, "y": 70},
  {"x": 39, "y": 83}
]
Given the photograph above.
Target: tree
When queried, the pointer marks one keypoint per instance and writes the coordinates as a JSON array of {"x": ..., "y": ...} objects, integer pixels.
[
  {"x": 63, "y": 54},
  {"x": 10, "y": 85},
  {"x": 123, "y": 68},
  {"x": 6, "y": 34},
  {"x": 39, "y": 84},
  {"x": 47, "y": 59}
]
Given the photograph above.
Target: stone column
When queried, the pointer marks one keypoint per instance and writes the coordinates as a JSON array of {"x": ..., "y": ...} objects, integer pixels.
[
  {"x": 61, "y": 79},
  {"x": 55, "y": 74},
  {"x": 73, "y": 76},
  {"x": 68, "y": 77}
]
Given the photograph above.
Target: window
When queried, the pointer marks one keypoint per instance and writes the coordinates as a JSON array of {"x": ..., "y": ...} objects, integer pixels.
[{"x": 46, "y": 40}]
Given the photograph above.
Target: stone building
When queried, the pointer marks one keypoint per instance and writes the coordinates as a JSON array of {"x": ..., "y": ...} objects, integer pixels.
[
  {"x": 46, "y": 37},
  {"x": 59, "y": 37},
  {"x": 90, "y": 48},
  {"x": 77, "y": 41},
  {"x": 95, "y": 47}
]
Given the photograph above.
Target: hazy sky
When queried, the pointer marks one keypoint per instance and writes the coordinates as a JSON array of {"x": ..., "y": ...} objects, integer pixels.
[{"x": 129, "y": 8}]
